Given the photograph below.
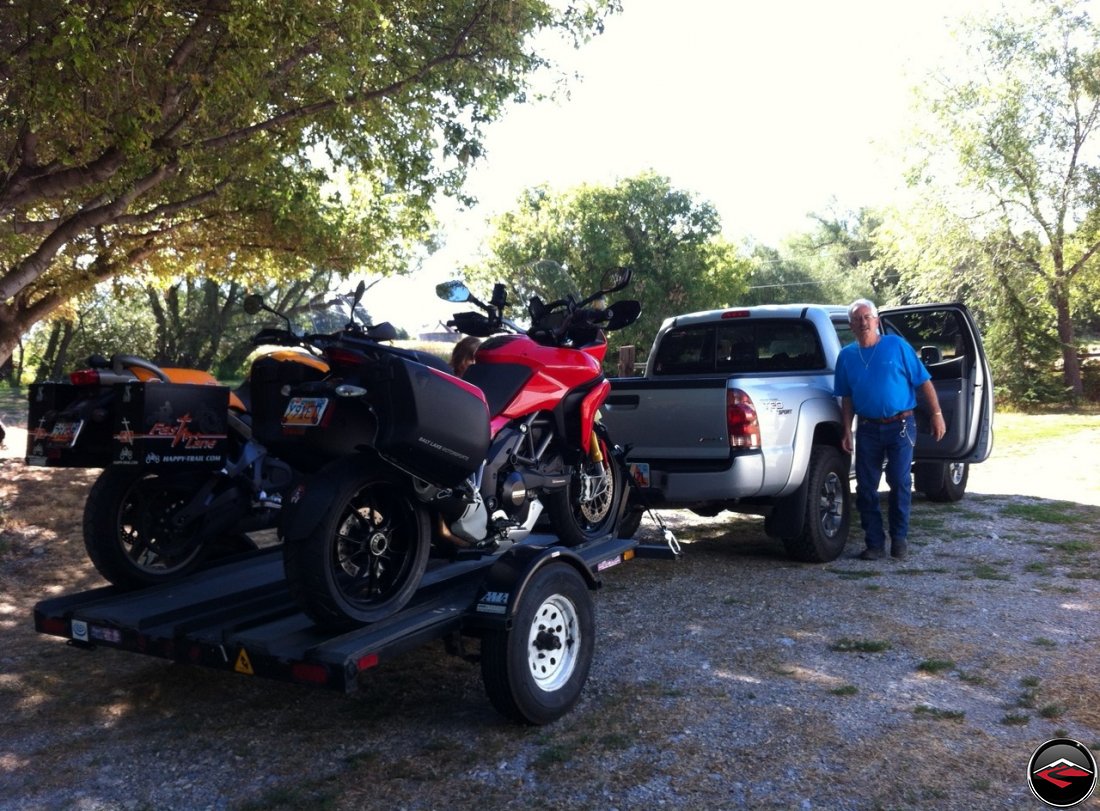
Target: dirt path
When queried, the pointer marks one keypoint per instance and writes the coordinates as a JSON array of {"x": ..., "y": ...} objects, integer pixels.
[{"x": 730, "y": 679}]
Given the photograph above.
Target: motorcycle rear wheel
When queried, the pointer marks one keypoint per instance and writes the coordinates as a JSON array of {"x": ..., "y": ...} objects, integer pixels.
[
  {"x": 128, "y": 532},
  {"x": 364, "y": 560},
  {"x": 588, "y": 507}
]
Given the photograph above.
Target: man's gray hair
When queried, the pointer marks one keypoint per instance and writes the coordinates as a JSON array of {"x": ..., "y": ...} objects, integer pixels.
[{"x": 862, "y": 302}]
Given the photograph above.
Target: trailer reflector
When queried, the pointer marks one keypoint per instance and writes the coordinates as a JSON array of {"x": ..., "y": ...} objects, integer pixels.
[
  {"x": 367, "y": 662},
  {"x": 312, "y": 674},
  {"x": 54, "y": 626},
  {"x": 244, "y": 664}
]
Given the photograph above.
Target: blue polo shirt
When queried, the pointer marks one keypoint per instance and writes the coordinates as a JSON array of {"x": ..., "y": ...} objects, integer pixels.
[{"x": 882, "y": 380}]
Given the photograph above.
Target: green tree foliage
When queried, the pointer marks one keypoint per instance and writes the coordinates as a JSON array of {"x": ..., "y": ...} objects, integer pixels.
[
  {"x": 1017, "y": 137},
  {"x": 671, "y": 239},
  {"x": 190, "y": 323},
  {"x": 155, "y": 137},
  {"x": 108, "y": 319},
  {"x": 831, "y": 264}
]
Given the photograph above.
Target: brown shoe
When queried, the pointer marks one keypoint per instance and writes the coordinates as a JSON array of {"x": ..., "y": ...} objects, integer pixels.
[{"x": 872, "y": 554}]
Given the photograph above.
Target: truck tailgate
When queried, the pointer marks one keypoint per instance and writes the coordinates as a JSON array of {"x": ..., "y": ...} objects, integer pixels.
[{"x": 669, "y": 418}]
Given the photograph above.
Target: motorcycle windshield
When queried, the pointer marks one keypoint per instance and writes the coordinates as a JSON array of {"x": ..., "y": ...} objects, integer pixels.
[
  {"x": 335, "y": 314},
  {"x": 552, "y": 281}
]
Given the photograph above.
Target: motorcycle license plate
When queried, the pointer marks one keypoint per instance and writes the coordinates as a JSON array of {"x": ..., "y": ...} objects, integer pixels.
[
  {"x": 65, "y": 434},
  {"x": 304, "y": 412},
  {"x": 639, "y": 471}
]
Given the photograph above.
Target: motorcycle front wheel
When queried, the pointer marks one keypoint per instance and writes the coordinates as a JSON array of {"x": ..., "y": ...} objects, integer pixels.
[
  {"x": 363, "y": 561},
  {"x": 128, "y": 529},
  {"x": 588, "y": 507}
]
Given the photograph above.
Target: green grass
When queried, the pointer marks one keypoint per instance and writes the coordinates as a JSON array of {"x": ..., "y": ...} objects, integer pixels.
[
  {"x": 851, "y": 574},
  {"x": 986, "y": 571},
  {"x": 1075, "y": 547},
  {"x": 1051, "y": 711},
  {"x": 938, "y": 714},
  {"x": 845, "y": 690},
  {"x": 1015, "y": 719},
  {"x": 1046, "y": 512},
  {"x": 936, "y": 665},
  {"x": 1014, "y": 430},
  {"x": 846, "y": 645}
]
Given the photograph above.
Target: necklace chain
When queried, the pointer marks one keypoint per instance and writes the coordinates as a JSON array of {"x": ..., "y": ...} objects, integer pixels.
[{"x": 867, "y": 363}]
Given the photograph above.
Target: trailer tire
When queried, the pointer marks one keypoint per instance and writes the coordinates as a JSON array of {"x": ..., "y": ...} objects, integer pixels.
[
  {"x": 828, "y": 509},
  {"x": 535, "y": 671}
]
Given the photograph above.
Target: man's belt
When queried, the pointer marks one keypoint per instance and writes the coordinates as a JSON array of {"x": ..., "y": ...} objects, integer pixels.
[{"x": 901, "y": 415}]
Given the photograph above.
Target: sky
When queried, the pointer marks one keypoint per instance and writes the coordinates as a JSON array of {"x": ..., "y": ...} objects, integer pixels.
[{"x": 769, "y": 111}]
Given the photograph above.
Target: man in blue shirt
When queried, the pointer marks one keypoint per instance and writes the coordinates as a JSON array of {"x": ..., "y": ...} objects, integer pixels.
[{"x": 877, "y": 380}]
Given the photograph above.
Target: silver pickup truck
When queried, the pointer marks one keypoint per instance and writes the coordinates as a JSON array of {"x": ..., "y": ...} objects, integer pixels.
[{"x": 736, "y": 412}]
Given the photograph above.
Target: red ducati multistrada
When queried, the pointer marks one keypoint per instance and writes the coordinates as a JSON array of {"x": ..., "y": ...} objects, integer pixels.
[{"x": 425, "y": 463}]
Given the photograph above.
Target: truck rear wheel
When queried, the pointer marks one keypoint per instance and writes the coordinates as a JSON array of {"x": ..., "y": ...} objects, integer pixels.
[
  {"x": 828, "y": 509},
  {"x": 941, "y": 481},
  {"x": 535, "y": 671},
  {"x": 628, "y": 527}
]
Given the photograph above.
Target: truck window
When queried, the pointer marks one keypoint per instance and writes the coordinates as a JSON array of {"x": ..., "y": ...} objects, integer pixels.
[
  {"x": 686, "y": 351},
  {"x": 756, "y": 345}
]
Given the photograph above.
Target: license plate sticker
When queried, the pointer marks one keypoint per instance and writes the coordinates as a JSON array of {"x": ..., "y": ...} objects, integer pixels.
[
  {"x": 639, "y": 471},
  {"x": 65, "y": 434},
  {"x": 305, "y": 411}
]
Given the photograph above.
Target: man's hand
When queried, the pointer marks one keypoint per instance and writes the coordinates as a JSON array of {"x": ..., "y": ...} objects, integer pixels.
[{"x": 939, "y": 426}]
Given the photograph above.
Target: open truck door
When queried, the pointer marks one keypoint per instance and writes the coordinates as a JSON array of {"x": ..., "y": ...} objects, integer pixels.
[{"x": 946, "y": 338}]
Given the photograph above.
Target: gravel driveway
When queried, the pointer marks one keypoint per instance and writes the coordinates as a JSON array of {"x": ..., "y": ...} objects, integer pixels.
[{"x": 732, "y": 678}]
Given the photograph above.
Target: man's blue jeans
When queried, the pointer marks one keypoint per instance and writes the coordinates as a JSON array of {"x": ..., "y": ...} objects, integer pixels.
[{"x": 892, "y": 442}]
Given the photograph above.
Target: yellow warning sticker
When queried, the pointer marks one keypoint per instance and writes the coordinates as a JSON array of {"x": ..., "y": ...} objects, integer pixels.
[{"x": 244, "y": 664}]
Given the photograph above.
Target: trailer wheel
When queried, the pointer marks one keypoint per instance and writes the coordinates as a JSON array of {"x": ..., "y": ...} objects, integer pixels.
[
  {"x": 128, "y": 532},
  {"x": 364, "y": 560},
  {"x": 828, "y": 509},
  {"x": 535, "y": 671}
]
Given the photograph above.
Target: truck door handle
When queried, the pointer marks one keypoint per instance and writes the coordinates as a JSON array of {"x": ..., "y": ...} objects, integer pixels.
[{"x": 623, "y": 400}]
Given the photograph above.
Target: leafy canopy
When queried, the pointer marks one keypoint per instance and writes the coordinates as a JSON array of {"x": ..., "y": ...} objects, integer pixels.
[
  {"x": 671, "y": 239},
  {"x": 151, "y": 136}
]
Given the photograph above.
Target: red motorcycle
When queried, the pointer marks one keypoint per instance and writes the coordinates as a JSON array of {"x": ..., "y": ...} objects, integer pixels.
[{"x": 426, "y": 463}]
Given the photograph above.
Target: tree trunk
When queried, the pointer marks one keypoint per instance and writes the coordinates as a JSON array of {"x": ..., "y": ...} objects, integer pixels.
[
  {"x": 61, "y": 358},
  {"x": 46, "y": 365},
  {"x": 1071, "y": 365}
]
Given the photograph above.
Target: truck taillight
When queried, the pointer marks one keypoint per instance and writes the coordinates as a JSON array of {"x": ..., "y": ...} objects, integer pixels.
[
  {"x": 741, "y": 420},
  {"x": 84, "y": 377}
]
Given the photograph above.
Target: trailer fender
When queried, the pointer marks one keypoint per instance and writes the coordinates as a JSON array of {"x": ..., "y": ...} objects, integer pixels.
[
  {"x": 507, "y": 579},
  {"x": 311, "y": 500}
]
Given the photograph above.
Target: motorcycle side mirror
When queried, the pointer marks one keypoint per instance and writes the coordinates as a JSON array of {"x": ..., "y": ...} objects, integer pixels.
[
  {"x": 615, "y": 279},
  {"x": 453, "y": 291},
  {"x": 253, "y": 303},
  {"x": 623, "y": 314}
]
